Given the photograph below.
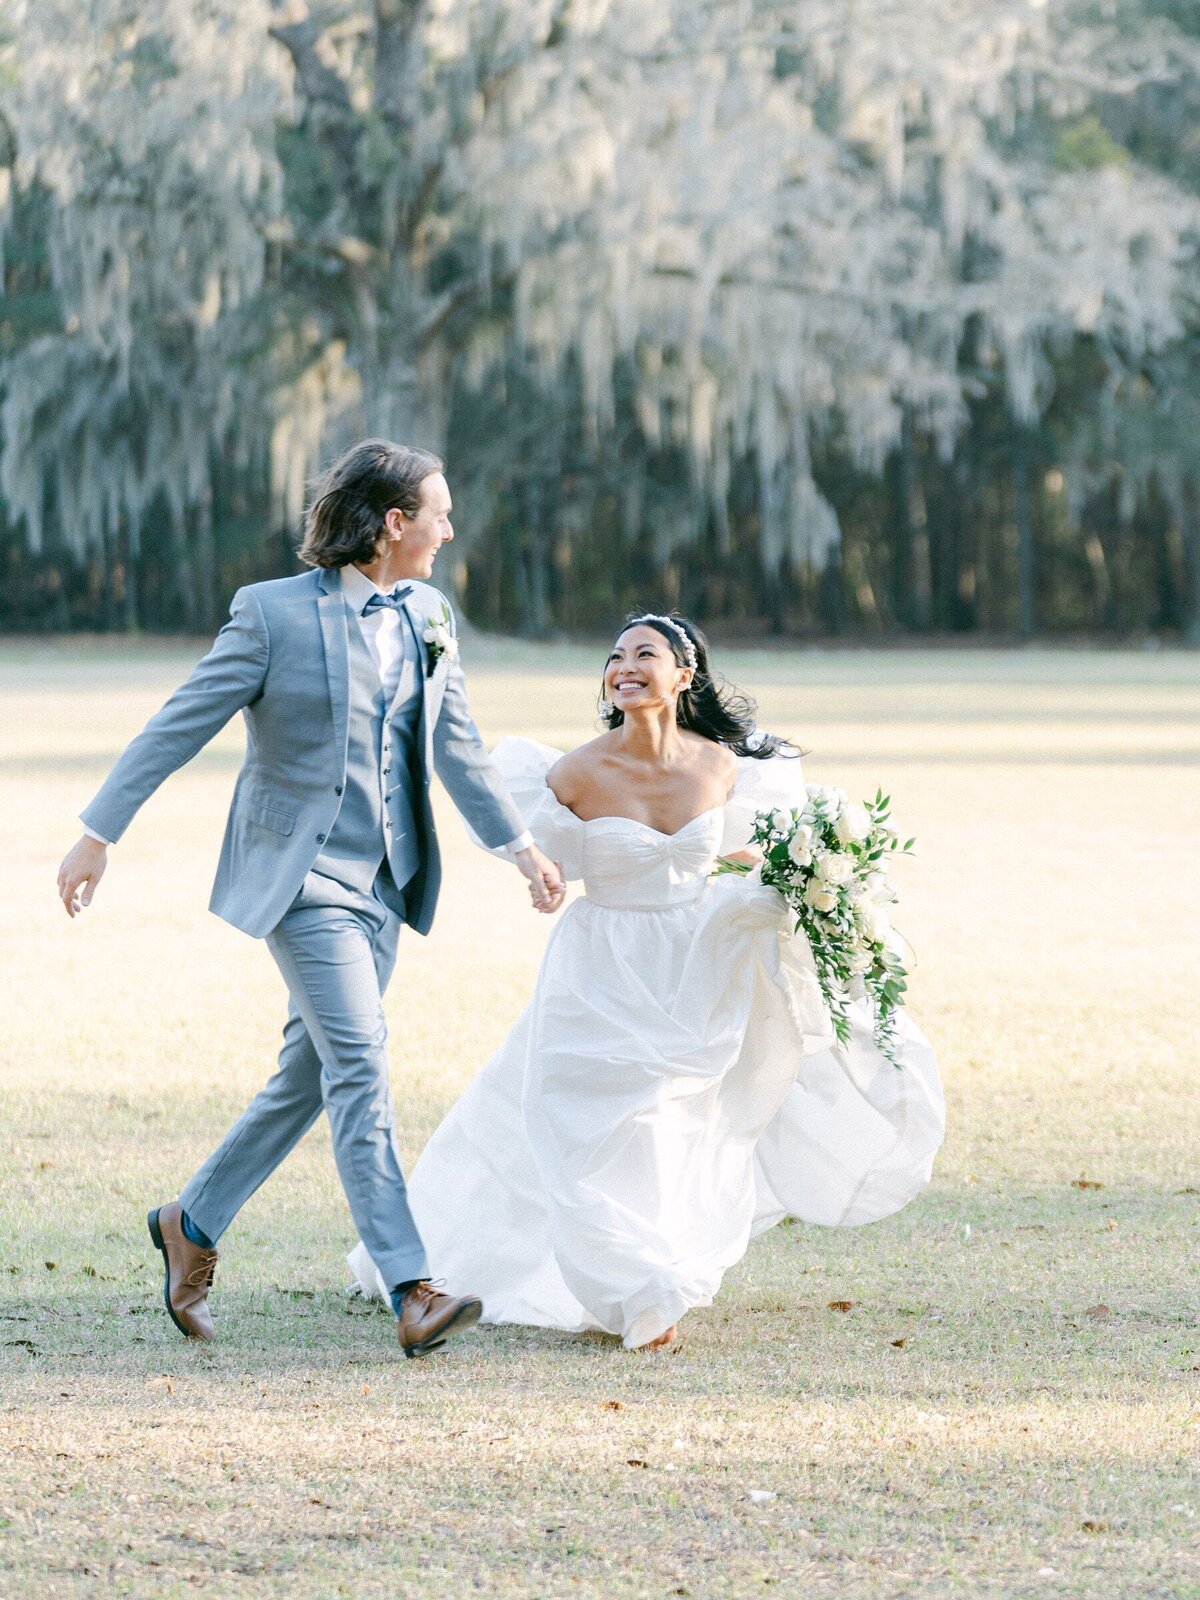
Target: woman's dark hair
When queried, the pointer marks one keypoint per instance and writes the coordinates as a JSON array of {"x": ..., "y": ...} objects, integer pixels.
[
  {"x": 709, "y": 705},
  {"x": 344, "y": 522}
]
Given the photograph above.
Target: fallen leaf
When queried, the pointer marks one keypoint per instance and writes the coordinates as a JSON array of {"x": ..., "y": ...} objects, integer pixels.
[
  {"x": 840, "y": 1305},
  {"x": 1099, "y": 1312},
  {"x": 636, "y": 1461},
  {"x": 1187, "y": 1191},
  {"x": 1094, "y": 1525},
  {"x": 898, "y": 1344},
  {"x": 89, "y": 1272},
  {"x": 50, "y": 1266},
  {"x": 759, "y": 1497},
  {"x": 1085, "y": 1183},
  {"x": 612, "y": 1405}
]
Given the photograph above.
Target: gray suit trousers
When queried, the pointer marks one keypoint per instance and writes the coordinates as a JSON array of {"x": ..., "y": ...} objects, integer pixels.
[{"x": 336, "y": 948}]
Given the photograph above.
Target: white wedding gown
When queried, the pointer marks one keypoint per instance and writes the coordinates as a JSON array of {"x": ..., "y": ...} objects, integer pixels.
[{"x": 670, "y": 1090}]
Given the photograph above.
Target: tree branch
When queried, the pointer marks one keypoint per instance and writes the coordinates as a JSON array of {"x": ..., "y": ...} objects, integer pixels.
[{"x": 319, "y": 82}]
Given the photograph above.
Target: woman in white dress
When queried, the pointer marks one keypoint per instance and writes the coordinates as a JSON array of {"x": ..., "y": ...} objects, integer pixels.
[{"x": 674, "y": 1086}]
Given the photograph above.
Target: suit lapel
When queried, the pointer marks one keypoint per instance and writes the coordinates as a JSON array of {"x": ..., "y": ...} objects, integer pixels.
[
  {"x": 332, "y": 609},
  {"x": 418, "y": 648}
]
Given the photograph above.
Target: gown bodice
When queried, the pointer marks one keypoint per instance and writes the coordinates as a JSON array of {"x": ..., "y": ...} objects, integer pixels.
[
  {"x": 631, "y": 866},
  {"x": 628, "y": 865}
]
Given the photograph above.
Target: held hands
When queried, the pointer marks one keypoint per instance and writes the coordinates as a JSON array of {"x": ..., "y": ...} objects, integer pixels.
[
  {"x": 546, "y": 887},
  {"x": 83, "y": 867}
]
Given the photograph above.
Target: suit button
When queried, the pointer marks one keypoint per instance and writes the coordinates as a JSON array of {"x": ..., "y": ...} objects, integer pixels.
[
  {"x": 337, "y": 788},
  {"x": 320, "y": 838},
  {"x": 388, "y": 826},
  {"x": 386, "y": 770}
]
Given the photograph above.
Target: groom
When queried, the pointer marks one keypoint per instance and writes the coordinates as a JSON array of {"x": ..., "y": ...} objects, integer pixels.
[{"x": 349, "y": 681}]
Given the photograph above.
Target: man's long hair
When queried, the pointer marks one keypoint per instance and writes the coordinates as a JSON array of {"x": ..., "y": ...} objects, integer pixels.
[{"x": 344, "y": 522}]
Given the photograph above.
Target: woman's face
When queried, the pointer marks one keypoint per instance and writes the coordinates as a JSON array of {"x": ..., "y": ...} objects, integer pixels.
[{"x": 642, "y": 671}]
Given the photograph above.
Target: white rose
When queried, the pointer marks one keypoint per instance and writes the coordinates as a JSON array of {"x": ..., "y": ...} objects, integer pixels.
[
  {"x": 441, "y": 639},
  {"x": 800, "y": 846},
  {"x": 880, "y": 889},
  {"x": 860, "y": 961},
  {"x": 873, "y": 920},
  {"x": 800, "y": 854},
  {"x": 781, "y": 821},
  {"x": 853, "y": 826},
  {"x": 819, "y": 896},
  {"x": 835, "y": 868}
]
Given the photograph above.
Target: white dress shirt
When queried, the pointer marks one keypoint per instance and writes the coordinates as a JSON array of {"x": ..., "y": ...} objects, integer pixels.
[
  {"x": 380, "y": 628},
  {"x": 382, "y": 634}
]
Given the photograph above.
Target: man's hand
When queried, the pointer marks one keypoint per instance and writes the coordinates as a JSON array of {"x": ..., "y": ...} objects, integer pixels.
[
  {"x": 83, "y": 867},
  {"x": 546, "y": 887}
]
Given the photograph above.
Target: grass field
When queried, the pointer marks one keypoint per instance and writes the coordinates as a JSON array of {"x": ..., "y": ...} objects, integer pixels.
[{"x": 1012, "y": 1406}]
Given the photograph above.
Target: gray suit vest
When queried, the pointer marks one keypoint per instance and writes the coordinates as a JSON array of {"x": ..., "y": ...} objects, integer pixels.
[{"x": 377, "y": 818}]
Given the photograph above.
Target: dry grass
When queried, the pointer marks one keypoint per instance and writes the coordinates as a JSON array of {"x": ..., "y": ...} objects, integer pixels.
[{"x": 973, "y": 1426}]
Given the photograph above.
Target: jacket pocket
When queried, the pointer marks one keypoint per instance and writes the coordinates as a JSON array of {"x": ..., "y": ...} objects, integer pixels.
[{"x": 268, "y": 816}]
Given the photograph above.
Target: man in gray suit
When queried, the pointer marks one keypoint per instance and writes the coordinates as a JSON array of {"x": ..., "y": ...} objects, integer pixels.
[{"x": 349, "y": 682}]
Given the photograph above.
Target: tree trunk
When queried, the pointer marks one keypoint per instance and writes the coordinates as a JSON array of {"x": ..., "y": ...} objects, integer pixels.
[
  {"x": 831, "y": 593},
  {"x": 1189, "y": 525},
  {"x": 909, "y": 536},
  {"x": 965, "y": 609},
  {"x": 205, "y": 564},
  {"x": 1026, "y": 589},
  {"x": 183, "y": 577}
]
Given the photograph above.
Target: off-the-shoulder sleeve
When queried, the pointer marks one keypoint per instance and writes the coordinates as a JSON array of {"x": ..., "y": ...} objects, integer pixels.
[
  {"x": 760, "y": 786},
  {"x": 523, "y": 765}
]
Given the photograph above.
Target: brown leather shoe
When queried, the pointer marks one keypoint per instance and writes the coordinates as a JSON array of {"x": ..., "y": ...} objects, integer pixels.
[
  {"x": 428, "y": 1318},
  {"x": 189, "y": 1273}
]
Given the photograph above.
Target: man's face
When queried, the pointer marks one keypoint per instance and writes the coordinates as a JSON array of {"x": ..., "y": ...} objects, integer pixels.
[{"x": 423, "y": 535}]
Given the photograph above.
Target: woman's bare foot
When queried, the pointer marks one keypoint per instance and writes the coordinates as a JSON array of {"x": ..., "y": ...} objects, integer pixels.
[{"x": 664, "y": 1340}]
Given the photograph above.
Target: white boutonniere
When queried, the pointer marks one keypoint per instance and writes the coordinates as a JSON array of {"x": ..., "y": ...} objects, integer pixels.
[{"x": 440, "y": 639}]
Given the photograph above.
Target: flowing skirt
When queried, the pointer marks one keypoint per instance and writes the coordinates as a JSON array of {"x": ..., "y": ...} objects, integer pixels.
[{"x": 670, "y": 1090}]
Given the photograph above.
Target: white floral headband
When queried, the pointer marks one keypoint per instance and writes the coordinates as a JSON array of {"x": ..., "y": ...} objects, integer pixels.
[{"x": 689, "y": 649}]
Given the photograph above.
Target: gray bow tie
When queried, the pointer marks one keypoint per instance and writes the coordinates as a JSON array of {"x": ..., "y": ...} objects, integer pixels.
[{"x": 392, "y": 601}]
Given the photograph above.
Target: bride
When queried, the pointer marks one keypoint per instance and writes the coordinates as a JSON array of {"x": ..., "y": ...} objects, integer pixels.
[{"x": 673, "y": 1087}]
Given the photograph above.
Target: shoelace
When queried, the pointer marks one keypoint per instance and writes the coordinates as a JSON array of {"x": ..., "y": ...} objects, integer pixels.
[
  {"x": 426, "y": 1289},
  {"x": 201, "y": 1277}
]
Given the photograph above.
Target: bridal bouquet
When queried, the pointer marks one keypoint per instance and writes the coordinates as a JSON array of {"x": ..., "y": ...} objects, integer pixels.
[{"x": 828, "y": 860}]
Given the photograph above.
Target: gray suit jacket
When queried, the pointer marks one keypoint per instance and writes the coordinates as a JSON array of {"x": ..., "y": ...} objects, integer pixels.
[{"x": 281, "y": 660}]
